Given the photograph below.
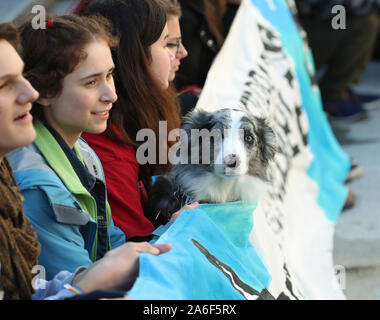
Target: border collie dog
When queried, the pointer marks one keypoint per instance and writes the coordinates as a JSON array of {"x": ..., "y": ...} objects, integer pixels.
[{"x": 222, "y": 156}]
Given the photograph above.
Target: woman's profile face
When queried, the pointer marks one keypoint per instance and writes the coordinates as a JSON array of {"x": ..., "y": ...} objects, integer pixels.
[
  {"x": 175, "y": 45},
  {"x": 161, "y": 59},
  {"x": 87, "y": 95}
]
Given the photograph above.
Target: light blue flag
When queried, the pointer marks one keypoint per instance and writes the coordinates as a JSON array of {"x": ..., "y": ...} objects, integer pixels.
[
  {"x": 211, "y": 258},
  {"x": 330, "y": 164}
]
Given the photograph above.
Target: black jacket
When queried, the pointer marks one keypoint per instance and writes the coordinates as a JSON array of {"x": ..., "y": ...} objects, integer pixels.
[
  {"x": 323, "y": 8},
  {"x": 200, "y": 43}
]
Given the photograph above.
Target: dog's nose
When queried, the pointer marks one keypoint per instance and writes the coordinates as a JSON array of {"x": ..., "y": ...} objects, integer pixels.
[{"x": 232, "y": 161}]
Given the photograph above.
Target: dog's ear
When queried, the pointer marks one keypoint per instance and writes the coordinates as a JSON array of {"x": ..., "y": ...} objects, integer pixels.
[
  {"x": 266, "y": 138},
  {"x": 198, "y": 119}
]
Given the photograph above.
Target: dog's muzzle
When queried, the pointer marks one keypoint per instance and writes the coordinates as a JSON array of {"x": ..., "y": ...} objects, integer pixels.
[
  {"x": 232, "y": 161},
  {"x": 232, "y": 164}
]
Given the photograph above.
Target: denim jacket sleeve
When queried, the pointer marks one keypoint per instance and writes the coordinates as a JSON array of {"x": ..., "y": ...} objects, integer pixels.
[
  {"x": 64, "y": 242},
  {"x": 117, "y": 237},
  {"x": 55, "y": 288},
  {"x": 159, "y": 232}
]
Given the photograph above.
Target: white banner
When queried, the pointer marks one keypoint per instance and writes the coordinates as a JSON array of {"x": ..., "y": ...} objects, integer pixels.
[{"x": 291, "y": 231}]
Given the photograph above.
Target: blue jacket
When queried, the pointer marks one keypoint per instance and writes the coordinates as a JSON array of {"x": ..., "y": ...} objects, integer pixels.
[{"x": 61, "y": 210}]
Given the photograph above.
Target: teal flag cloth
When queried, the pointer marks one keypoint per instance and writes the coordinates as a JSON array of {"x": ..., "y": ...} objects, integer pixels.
[{"x": 211, "y": 258}]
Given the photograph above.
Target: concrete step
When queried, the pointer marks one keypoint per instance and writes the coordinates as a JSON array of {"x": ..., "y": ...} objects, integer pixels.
[
  {"x": 357, "y": 233},
  {"x": 363, "y": 284},
  {"x": 64, "y": 6},
  {"x": 17, "y": 11}
]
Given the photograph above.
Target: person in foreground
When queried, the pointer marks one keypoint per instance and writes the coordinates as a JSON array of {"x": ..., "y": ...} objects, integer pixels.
[
  {"x": 19, "y": 246},
  {"x": 59, "y": 176}
]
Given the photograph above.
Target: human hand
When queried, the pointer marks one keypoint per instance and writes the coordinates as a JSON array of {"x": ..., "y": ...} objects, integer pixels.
[
  {"x": 175, "y": 215},
  {"x": 118, "y": 269}
]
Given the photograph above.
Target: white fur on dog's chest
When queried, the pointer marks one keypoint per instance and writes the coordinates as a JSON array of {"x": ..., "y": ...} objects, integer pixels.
[{"x": 216, "y": 189}]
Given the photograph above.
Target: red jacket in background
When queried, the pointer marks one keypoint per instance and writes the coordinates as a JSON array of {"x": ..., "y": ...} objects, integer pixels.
[{"x": 125, "y": 192}]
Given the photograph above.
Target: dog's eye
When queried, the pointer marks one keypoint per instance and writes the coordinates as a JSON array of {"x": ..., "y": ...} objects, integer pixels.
[{"x": 248, "y": 138}]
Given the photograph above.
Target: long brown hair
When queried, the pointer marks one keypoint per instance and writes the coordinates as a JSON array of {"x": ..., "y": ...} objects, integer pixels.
[
  {"x": 214, "y": 11},
  {"x": 171, "y": 7},
  {"x": 142, "y": 102},
  {"x": 52, "y": 53}
]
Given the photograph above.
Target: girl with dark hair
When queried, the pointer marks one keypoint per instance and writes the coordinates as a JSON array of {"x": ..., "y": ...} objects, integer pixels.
[
  {"x": 143, "y": 63},
  {"x": 59, "y": 175}
]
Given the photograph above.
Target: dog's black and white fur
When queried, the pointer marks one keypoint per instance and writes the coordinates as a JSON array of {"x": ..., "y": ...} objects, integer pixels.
[{"x": 232, "y": 167}]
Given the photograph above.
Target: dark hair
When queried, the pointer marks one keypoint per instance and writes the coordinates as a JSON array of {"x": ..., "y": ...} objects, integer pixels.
[
  {"x": 52, "y": 53},
  {"x": 142, "y": 102},
  {"x": 213, "y": 11},
  {"x": 8, "y": 32},
  {"x": 171, "y": 7}
]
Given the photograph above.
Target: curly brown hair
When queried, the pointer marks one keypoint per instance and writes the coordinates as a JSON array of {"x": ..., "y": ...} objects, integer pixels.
[
  {"x": 52, "y": 53},
  {"x": 8, "y": 32}
]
